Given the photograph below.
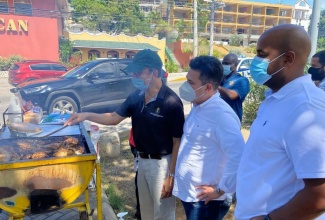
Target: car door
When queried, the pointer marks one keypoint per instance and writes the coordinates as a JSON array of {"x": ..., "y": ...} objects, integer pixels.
[
  {"x": 244, "y": 67},
  {"x": 100, "y": 88},
  {"x": 125, "y": 79}
]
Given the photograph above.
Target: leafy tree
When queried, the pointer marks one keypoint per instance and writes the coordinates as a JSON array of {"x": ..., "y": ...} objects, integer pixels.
[
  {"x": 65, "y": 47},
  {"x": 321, "y": 43},
  {"x": 322, "y": 24},
  {"x": 113, "y": 16},
  {"x": 252, "y": 102},
  {"x": 235, "y": 40}
]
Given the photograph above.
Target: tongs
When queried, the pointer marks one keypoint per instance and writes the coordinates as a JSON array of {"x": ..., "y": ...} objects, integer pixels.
[{"x": 55, "y": 131}]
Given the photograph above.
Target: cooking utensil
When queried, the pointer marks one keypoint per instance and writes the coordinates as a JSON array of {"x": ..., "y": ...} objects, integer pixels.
[{"x": 55, "y": 131}]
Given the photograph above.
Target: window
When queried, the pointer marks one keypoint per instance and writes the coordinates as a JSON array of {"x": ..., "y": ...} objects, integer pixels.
[
  {"x": 58, "y": 67},
  {"x": 245, "y": 65},
  {"x": 23, "y": 7},
  {"x": 121, "y": 67},
  {"x": 40, "y": 67},
  {"x": 112, "y": 54},
  {"x": 103, "y": 71},
  {"x": 129, "y": 54},
  {"x": 4, "y": 6},
  {"x": 93, "y": 54}
]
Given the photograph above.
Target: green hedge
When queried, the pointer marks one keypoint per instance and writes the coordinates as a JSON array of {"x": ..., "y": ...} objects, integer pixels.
[{"x": 6, "y": 63}]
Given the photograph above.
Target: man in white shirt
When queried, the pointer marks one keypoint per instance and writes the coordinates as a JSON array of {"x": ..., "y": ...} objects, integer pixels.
[
  {"x": 210, "y": 147},
  {"x": 282, "y": 171}
]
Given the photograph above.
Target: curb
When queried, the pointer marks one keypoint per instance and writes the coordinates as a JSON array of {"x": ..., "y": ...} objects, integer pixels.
[
  {"x": 178, "y": 79},
  {"x": 108, "y": 213}
]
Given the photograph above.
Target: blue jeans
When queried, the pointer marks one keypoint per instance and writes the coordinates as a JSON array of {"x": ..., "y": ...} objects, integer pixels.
[{"x": 214, "y": 210}]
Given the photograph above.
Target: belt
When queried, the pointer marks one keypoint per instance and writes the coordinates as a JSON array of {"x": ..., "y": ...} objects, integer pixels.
[{"x": 150, "y": 156}]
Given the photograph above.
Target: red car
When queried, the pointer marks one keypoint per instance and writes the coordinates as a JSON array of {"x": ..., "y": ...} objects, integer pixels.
[{"x": 28, "y": 70}]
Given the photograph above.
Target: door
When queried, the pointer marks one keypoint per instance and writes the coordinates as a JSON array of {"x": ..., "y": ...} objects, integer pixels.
[
  {"x": 125, "y": 79},
  {"x": 100, "y": 88}
]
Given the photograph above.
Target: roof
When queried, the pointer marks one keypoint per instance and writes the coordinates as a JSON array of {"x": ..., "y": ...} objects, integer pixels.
[
  {"x": 284, "y": 2},
  {"x": 113, "y": 45}
]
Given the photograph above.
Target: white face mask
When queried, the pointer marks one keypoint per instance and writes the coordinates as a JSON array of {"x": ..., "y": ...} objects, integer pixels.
[{"x": 187, "y": 93}]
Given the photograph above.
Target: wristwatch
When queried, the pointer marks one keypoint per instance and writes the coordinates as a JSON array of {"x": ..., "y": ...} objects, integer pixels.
[{"x": 217, "y": 189}]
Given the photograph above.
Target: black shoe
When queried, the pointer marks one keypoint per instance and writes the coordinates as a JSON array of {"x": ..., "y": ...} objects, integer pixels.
[{"x": 137, "y": 215}]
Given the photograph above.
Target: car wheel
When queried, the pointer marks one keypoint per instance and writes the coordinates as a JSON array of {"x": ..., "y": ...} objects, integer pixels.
[{"x": 63, "y": 104}]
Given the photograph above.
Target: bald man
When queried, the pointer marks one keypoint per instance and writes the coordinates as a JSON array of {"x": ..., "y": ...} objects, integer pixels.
[
  {"x": 234, "y": 87},
  {"x": 282, "y": 171}
]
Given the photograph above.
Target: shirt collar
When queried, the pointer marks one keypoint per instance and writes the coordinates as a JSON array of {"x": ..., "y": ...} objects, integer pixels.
[
  {"x": 202, "y": 105},
  {"x": 291, "y": 86},
  {"x": 160, "y": 95},
  {"x": 234, "y": 75}
]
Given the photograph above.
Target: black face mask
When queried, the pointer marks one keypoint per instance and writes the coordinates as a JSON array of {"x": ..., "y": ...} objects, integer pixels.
[{"x": 316, "y": 74}]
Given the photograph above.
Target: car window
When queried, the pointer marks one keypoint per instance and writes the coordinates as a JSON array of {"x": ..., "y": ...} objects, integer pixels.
[
  {"x": 40, "y": 67},
  {"x": 104, "y": 70},
  {"x": 121, "y": 69},
  {"x": 58, "y": 67}
]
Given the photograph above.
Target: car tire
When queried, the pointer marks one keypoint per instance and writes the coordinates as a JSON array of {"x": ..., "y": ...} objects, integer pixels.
[{"x": 64, "y": 104}]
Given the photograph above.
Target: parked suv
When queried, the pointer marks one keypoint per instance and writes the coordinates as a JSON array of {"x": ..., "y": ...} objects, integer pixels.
[
  {"x": 34, "y": 69},
  {"x": 96, "y": 86}
]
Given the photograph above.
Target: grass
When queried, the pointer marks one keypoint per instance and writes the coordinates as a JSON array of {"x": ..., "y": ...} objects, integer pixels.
[{"x": 114, "y": 198}]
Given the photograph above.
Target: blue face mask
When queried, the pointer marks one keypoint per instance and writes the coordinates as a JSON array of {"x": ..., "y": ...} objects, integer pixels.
[
  {"x": 258, "y": 69},
  {"x": 140, "y": 83},
  {"x": 226, "y": 70}
]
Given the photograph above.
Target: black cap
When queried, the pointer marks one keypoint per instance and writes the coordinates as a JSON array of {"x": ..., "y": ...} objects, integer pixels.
[{"x": 144, "y": 58}]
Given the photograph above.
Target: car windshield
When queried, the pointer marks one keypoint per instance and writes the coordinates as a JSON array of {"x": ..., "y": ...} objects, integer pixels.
[{"x": 79, "y": 71}]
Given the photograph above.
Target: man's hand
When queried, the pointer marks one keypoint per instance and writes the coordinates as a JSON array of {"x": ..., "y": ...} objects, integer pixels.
[
  {"x": 167, "y": 187},
  {"x": 75, "y": 118},
  {"x": 208, "y": 193}
]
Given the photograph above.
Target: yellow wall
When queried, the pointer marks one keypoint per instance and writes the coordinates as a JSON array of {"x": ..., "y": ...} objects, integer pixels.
[{"x": 154, "y": 41}]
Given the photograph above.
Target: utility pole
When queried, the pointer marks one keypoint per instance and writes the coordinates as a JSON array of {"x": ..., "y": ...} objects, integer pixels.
[
  {"x": 315, "y": 18},
  {"x": 211, "y": 27},
  {"x": 195, "y": 37},
  {"x": 168, "y": 12}
]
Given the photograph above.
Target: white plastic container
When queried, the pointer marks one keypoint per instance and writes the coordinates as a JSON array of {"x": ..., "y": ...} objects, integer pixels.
[{"x": 14, "y": 110}]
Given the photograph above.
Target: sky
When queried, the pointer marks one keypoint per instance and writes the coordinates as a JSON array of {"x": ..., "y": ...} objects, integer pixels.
[{"x": 287, "y": 2}]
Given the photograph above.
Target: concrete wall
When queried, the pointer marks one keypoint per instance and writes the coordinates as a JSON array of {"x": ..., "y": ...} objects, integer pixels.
[{"x": 183, "y": 58}]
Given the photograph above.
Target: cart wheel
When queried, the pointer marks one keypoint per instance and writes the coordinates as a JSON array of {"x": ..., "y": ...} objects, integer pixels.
[{"x": 83, "y": 215}]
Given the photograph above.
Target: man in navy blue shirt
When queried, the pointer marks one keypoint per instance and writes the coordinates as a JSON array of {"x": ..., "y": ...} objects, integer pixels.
[{"x": 234, "y": 87}]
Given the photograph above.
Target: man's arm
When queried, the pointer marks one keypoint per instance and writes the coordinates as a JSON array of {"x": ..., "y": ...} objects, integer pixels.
[
  {"x": 308, "y": 203},
  {"x": 169, "y": 181},
  {"x": 104, "y": 119},
  {"x": 228, "y": 93}
]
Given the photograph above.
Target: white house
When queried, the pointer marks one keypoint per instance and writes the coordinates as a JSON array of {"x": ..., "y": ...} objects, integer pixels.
[{"x": 301, "y": 14}]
